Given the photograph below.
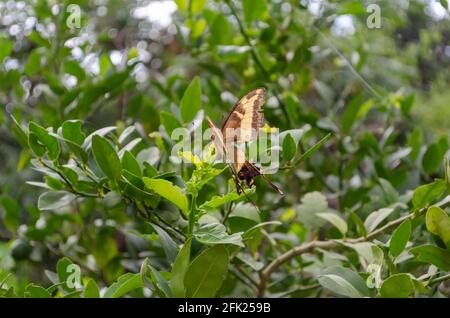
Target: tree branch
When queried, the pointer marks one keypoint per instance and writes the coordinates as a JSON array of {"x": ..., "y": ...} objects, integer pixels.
[{"x": 328, "y": 245}]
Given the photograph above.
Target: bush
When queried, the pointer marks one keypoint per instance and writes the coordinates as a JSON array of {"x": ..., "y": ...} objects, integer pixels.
[{"x": 95, "y": 202}]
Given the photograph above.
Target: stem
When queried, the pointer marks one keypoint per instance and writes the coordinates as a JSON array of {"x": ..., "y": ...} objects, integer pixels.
[
  {"x": 192, "y": 215},
  {"x": 440, "y": 279},
  {"x": 328, "y": 245}
]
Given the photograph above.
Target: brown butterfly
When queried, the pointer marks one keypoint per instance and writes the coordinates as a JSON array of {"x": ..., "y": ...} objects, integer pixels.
[{"x": 242, "y": 125}]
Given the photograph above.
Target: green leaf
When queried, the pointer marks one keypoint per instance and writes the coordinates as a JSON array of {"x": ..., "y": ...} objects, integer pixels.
[
  {"x": 432, "y": 159},
  {"x": 106, "y": 158},
  {"x": 438, "y": 223},
  {"x": 219, "y": 200},
  {"x": 191, "y": 101},
  {"x": 124, "y": 285},
  {"x": 336, "y": 220},
  {"x": 159, "y": 283},
  {"x": 71, "y": 130},
  {"x": 169, "y": 121},
  {"x": 91, "y": 289},
  {"x": 73, "y": 68},
  {"x": 221, "y": 30},
  {"x": 130, "y": 164},
  {"x": 351, "y": 113},
  {"x": 254, "y": 10},
  {"x": 397, "y": 286},
  {"x": 169, "y": 246},
  {"x": 343, "y": 281},
  {"x": 432, "y": 255},
  {"x": 427, "y": 194},
  {"x": 11, "y": 216},
  {"x": 206, "y": 273},
  {"x": 20, "y": 133},
  {"x": 42, "y": 136},
  {"x": 54, "y": 200},
  {"x": 101, "y": 132},
  {"x": 182, "y": 5},
  {"x": 35, "y": 291},
  {"x": 197, "y": 6},
  {"x": 63, "y": 273},
  {"x": 375, "y": 218},
  {"x": 6, "y": 47},
  {"x": 168, "y": 191},
  {"x": 179, "y": 270},
  {"x": 399, "y": 238},
  {"x": 289, "y": 147},
  {"x": 216, "y": 233},
  {"x": 370, "y": 252}
]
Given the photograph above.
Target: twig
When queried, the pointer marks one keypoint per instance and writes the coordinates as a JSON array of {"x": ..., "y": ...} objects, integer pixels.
[
  {"x": 327, "y": 245},
  {"x": 440, "y": 279}
]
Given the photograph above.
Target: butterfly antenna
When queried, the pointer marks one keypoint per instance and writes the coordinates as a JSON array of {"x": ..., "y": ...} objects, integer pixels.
[{"x": 276, "y": 188}]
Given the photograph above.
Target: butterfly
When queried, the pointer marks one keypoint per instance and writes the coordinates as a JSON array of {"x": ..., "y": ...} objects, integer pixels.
[{"x": 242, "y": 125}]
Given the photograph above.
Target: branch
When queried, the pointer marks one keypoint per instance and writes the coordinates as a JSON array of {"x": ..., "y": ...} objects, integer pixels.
[{"x": 328, "y": 245}]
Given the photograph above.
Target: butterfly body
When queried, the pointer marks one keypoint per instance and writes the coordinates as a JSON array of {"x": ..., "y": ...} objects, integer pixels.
[{"x": 242, "y": 125}]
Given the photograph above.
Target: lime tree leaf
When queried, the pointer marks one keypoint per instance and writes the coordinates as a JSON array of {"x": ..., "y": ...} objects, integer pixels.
[
  {"x": 91, "y": 289},
  {"x": 254, "y": 10},
  {"x": 370, "y": 252},
  {"x": 74, "y": 148},
  {"x": 432, "y": 255},
  {"x": 438, "y": 223},
  {"x": 197, "y": 6},
  {"x": 53, "y": 200},
  {"x": 432, "y": 158},
  {"x": 169, "y": 246},
  {"x": 169, "y": 192},
  {"x": 397, "y": 286},
  {"x": 376, "y": 217},
  {"x": 179, "y": 270},
  {"x": 344, "y": 282},
  {"x": 169, "y": 121},
  {"x": 35, "y": 291},
  {"x": 219, "y": 200},
  {"x": 312, "y": 204},
  {"x": 216, "y": 233},
  {"x": 289, "y": 147},
  {"x": 49, "y": 142},
  {"x": 71, "y": 130},
  {"x": 191, "y": 101},
  {"x": 11, "y": 216},
  {"x": 63, "y": 272},
  {"x": 101, "y": 132},
  {"x": 124, "y": 285},
  {"x": 336, "y": 220},
  {"x": 158, "y": 283},
  {"x": 106, "y": 158},
  {"x": 427, "y": 194},
  {"x": 221, "y": 30},
  {"x": 130, "y": 163},
  {"x": 206, "y": 273},
  {"x": 399, "y": 238}
]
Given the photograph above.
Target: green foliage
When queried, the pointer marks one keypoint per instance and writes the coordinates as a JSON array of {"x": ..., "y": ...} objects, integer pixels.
[{"x": 91, "y": 191}]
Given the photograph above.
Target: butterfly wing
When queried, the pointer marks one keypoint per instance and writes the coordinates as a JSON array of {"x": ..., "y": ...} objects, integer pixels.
[{"x": 243, "y": 123}]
